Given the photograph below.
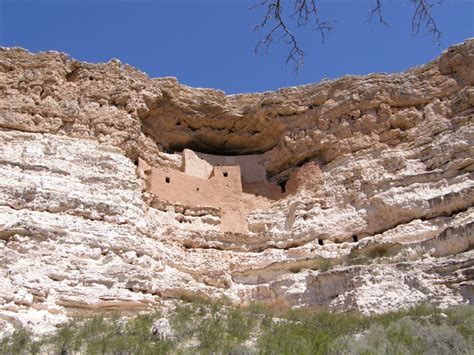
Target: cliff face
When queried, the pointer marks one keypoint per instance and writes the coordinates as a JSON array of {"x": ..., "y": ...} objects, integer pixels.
[{"x": 378, "y": 212}]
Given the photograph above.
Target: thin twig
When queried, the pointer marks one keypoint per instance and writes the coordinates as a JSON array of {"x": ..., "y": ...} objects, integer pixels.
[
  {"x": 377, "y": 11},
  {"x": 305, "y": 11},
  {"x": 422, "y": 15}
]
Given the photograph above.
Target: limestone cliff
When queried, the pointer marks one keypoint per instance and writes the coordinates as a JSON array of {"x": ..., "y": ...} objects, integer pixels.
[{"x": 376, "y": 211}]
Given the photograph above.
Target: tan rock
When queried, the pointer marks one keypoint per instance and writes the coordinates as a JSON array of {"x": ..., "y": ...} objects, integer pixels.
[{"x": 355, "y": 193}]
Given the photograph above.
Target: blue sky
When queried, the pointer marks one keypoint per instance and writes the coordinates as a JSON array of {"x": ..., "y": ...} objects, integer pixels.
[{"x": 210, "y": 43}]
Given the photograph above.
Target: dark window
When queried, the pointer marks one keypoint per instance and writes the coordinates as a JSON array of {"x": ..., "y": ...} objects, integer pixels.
[
  {"x": 355, "y": 238},
  {"x": 168, "y": 179},
  {"x": 320, "y": 242},
  {"x": 225, "y": 173},
  {"x": 282, "y": 185}
]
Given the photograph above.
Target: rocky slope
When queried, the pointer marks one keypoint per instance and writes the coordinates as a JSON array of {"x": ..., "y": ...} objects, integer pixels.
[{"x": 385, "y": 183}]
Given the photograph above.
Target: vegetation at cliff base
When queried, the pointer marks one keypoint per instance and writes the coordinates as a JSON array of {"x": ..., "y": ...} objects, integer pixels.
[{"x": 217, "y": 328}]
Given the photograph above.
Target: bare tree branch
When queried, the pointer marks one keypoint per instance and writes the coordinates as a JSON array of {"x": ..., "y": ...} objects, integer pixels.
[
  {"x": 422, "y": 16},
  {"x": 377, "y": 11},
  {"x": 305, "y": 12}
]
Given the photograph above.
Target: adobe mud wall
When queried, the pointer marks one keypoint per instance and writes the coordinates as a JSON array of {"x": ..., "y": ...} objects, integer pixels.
[
  {"x": 232, "y": 184},
  {"x": 251, "y": 166},
  {"x": 193, "y": 165},
  {"x": 253, "y": 173},
  {"x": 201, "y": 184}
]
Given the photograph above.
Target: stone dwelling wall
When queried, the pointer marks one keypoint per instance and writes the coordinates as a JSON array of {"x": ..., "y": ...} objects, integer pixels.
[
  {"x": 251, "y": 166},
  {"x": 194, "y": 165},
  {"x": 222, "y": 190},
  {"x": 234, "y": 184},
  {"x": 254, "y": 174},
  {"x": 176, "y": 186}
]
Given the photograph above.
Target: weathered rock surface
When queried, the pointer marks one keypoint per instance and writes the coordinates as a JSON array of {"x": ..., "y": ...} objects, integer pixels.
[{"x": 383, "y": 163}]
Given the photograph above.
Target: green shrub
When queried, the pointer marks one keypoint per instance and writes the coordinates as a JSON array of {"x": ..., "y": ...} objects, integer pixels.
[
  {"x": 20, "y": 342},
  {"x": 325, "y": 265},
  {"x": 307, "y": 332},
  {"x": 211, "y": 334},
  {"x": 369, "y": 255},
  {"x": 295, "y": 269},
  {"x": 240, "y": 324},
  {"x": 182, "y": 321},
  {"x": 218, "y": 328},
  {"x": 419, "y": 330},
  {"x": 462, "y": 318}
]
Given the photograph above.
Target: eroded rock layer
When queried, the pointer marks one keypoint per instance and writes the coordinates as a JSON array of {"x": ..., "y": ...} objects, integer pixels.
[{"x": 377, "y": 211}]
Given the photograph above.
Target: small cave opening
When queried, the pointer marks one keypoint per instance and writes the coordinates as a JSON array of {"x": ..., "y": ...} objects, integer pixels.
[
  {"x": 355, "y": 238},
  {"x": 225, "y": 174},
  {"x": 167, "y": 179},
  {"x": 320, "y": 242}
]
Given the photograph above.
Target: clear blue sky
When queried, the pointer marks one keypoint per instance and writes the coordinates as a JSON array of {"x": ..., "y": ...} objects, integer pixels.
[{"x": 210, "y": 43}]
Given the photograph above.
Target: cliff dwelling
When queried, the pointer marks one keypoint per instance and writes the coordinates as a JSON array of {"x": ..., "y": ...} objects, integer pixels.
[{"x": 233, "y": 185}]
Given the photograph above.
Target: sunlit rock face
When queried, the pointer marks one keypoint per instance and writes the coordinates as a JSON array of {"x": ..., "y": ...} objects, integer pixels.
[{"x": 355, "y": 194}]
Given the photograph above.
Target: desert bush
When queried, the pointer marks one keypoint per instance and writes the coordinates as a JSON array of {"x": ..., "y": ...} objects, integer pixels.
[
  {"x": 20, "y": 342},
  {"x": 419, "y": 330},
  {"x": 211, "y": 334},
  {"x": 240, "y": 324},
  {"x": 307, "y": 333},
  {"x": 462, "y": 318},
  {"x": 378, "y": 253},
  {"x": 404, "y": 336},
  {"x": 107, "y": 335},
  {"x": 219, "y": 328},
  {"x": 325, "y": 265}
]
